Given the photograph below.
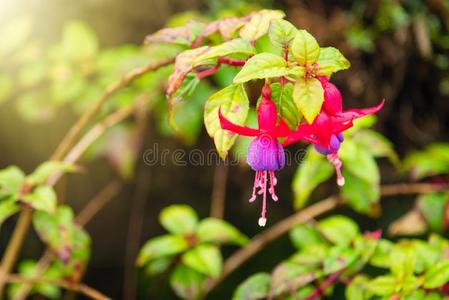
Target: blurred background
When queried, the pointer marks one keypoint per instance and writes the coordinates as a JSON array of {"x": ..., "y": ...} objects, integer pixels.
[{"x": 56, "y": 56}]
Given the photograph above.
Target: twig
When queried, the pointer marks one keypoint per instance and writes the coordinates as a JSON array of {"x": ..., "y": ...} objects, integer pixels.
[
  {"x": 10, "y": 256},
  {"x": 318, "y": 292},
  {"x": 305, "y": 215},
  {"x": 89, "y": 211},
  {"x": 265, "y": 237},
  {"x": 76, "y": 287},
  {"x": 219, "y": 191},
  {"x": 76, "y": 129},
  {"x": 41, "y": 266},
  {"x": 13, "y": 248},
  {"x": 412, "y": 188},
  {"x": 137, "y": 212},
  {"x": 98, "y": 202},
  {"x": 90, "y": 137}
]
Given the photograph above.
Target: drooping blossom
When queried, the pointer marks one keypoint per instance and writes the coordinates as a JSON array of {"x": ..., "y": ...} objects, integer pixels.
[
  {"x": 265, "y": 154},
  {"x": 326, "y": 131}
]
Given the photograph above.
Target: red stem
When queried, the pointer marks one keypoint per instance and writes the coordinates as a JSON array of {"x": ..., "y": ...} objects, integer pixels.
[
  {"x": 320, "y": 289},
  {"x": 231, "y": 61},
  {"x": 208, "y": 72}
]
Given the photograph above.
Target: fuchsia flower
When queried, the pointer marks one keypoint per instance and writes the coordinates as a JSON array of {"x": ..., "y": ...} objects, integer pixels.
[
  {"x": 265, "y": 154},
  {"x": 325, "y": 132}
]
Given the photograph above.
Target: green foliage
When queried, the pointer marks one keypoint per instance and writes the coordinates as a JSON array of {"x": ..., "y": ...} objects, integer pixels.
[
  {"x": 420, "y": 166},
  {"x": 259, "y": 23},
  {"x": 262, "y": 65},
  {"x": 67, "y": 239},
  {"x": 234, "y": 105},
  {"x": 281, "y": 33},
  {"x": 313, "y": 170},
  {"x": 28, "y": 268},
  {"x": 305, "y": 48},
  {"x": 191, "y": 248},
  {"x": 331, "y": 61},
  {"x": 308, "y": 96},
  {"x": 255, "y": 287},
  {"x": 333, "y": 250}
]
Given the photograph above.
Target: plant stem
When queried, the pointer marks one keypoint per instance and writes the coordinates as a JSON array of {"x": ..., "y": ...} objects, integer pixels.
[
  {"x": 219, "y": 191},
  {"x": 305, "y": 215},
  {"x": 98, "y": 202},
  {"x": 136, "y": 218},
  {"x": 76, "y": 287},
  {"x": 319, "y": 291},
  {"x": 265, "y": 237},
  {"x": 10, "y": 256},
  {"x": 76, "y": 129},
  {"x": 13, "y": 248}
]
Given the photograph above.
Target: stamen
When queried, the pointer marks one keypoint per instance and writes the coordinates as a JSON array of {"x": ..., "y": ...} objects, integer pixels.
[
  {"x": 256, "y": 184},
  {"x": 335, "y": 160},
  {"x": 273, "y": 182},
  {"x": 263, "y": 219}
]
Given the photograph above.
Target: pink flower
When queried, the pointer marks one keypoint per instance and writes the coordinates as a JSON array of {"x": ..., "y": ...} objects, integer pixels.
[
  {"x": 265, "y": 154},
  {"x": 325, "y": 132}
]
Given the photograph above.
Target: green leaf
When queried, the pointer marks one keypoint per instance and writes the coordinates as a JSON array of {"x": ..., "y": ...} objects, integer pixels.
[
  {"x": 234, "y": 106},
  {"x": 187, "y": 283},
  {"x": 356, "y": 289},
  {"x": 262, "y": 65},
  {"x": 381, "y": 256},
  {"x": 48, "y": 168},
  {"x": 421, "y": 166},
  {"x": 402, "y": 260},
  {"x": 361, "y": 195},
  {"x": 79, "y": 41},
  {"x": 258, "y": 24},
  {"x": 338, "y": 258},
  {"x": 376, "y": 144},
  {"x": 437, "y": 275},
  {"x": 281, "y": 33},
  {"x": 42, "y": 198},
  {"x": 205, "y": 259},
  {"x": 219, "y": 231},
  {"x": 305, "y": 48},
  {"x": 432, "y": 206},
  {"x": 179, "y": 219},
  {"x": 330, "y": 61},
  {"x": 313, "y": 170},
  {"x": 304, "y": 235},
  {"x": 383, "y": 286},
  {"x": 338, "y": 229},
  {"x": 161, "y": 246},
  {"x": 185, "y": 116},
  {"x": 234, "y": 46},
  {"x": 159, "y": 265},
  {"x": 69, "y": 241},
  {"x": 28, "y": 268},
  {"x": 290, "y": 276},
  {"x": 253, "y": 288},
  {"x": 8, "y": 207},
  {"x": 359, "y": 162},
  {"x": 11, "y": 179},
  {"x": 308, "y": 96},
  {"x": 282, "y": 96},
  {"x": 313, "y": 255}
]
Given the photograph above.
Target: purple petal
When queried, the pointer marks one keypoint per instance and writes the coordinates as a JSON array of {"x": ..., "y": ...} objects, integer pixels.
[{"x": 265, "y": 153}]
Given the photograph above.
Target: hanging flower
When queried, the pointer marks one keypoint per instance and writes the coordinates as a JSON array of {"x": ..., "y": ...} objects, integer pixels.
[
  {"x": 325, "y": 132},
  {"x": 265, "y": 154}
]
